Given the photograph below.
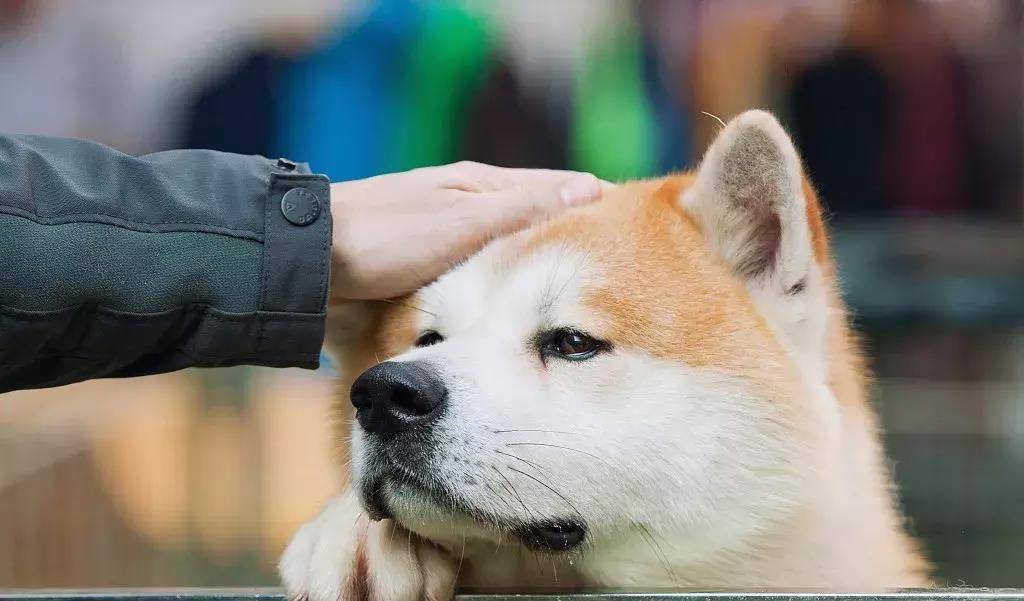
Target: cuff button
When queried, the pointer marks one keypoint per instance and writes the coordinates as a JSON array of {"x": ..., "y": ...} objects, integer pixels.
[{"x": 300, "y": 206}]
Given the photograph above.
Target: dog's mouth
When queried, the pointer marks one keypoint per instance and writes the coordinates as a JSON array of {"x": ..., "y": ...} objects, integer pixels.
[{"x": 553, "y": 535}]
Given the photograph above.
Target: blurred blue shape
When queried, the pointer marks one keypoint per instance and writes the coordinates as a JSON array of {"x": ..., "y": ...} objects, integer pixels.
[
  {"x": 338, "y": 103},
  {"x": 673, "y": 130},
  {"x": 327, "y": 365}
]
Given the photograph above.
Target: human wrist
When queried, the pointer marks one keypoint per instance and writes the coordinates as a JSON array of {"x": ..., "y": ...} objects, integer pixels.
[{"x": 342, "y": 253}]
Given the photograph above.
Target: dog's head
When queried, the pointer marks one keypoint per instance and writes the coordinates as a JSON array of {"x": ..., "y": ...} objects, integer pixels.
[{"x": 646, "y": 364}]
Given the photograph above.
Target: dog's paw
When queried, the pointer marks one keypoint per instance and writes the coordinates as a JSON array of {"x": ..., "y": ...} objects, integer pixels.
[{"x": 341, "y": 555}]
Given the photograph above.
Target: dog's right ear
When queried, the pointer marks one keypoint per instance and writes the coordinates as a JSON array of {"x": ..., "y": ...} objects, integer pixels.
[{"x": 749, "y": 202}]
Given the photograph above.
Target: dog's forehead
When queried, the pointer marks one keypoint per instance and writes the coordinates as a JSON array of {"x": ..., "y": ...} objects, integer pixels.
[
  {"x": 563, "y": 270},
  {"x": 633, "y": 270},
  {"x": 506, "y": 287}
]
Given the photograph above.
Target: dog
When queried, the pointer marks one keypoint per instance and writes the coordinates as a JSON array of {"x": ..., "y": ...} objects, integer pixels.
[{"x": 658, "y": 390}]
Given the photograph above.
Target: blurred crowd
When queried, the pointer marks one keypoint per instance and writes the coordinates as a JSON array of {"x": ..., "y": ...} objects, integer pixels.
[
  {"x": 899, "y": 106},
  {"x": 908, "y": 114}
]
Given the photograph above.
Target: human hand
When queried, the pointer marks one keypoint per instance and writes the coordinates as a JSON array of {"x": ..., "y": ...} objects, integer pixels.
[{"x": 394, "y": 233}]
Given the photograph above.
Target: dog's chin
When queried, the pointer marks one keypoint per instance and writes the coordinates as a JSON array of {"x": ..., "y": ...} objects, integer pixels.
[
  {"x": 403, "y": 499},
  {"x": 443, "y": 517},
  {"x": 430, "y": 513}
]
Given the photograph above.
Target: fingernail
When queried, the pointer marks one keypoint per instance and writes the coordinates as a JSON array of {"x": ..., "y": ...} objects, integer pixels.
[{"x": 580, "y": 189}]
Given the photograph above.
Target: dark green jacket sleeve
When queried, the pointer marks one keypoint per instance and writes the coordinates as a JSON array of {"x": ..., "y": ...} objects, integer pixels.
[{"x": 113, "y": 265}]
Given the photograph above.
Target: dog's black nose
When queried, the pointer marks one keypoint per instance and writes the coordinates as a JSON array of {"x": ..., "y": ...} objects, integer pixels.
[{"x": 393, "y": 396}]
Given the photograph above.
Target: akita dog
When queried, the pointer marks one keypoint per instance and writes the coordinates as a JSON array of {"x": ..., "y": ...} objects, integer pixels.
[{"x": 657, "y": 390}]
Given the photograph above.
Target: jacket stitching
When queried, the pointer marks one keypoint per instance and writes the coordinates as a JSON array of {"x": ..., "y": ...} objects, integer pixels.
[
  {"x": 103, "y": 218},
  {"x": 325, "y": 229},
  {"x": 211, "y": 312}
]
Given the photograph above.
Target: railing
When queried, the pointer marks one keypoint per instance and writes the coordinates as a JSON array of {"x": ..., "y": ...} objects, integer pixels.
[
  {"x": 276, "y": 595},
  {"x": 943, "y": 272}
]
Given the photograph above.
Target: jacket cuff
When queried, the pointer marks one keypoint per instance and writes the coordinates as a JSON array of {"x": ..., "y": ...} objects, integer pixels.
[{"x": 296, "y": 265}]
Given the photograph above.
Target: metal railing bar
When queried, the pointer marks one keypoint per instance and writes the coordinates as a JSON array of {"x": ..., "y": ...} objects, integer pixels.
[{"x": 271, "y": 594}]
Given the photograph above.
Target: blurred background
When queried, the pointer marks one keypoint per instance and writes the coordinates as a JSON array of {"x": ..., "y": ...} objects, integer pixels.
[{"x": 908, "y": 113}]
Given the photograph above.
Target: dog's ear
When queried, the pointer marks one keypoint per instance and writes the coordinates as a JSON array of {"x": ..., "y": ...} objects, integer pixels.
[{"x": 748, "y": 199}]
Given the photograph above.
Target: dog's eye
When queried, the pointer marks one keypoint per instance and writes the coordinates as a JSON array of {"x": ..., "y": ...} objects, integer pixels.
[
  {"x": 571, "y": 344},
  {"x": 428, "y": 338}
]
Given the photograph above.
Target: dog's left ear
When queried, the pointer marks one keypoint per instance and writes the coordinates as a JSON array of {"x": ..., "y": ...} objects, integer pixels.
[{"x": 749, "y": 202}]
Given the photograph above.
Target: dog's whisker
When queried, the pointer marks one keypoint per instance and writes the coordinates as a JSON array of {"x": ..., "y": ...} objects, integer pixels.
[
  {"x": 542, "y": 471},
  {"x": 546, "y": 300},
  {"x": 391, "y": 301},
  {"x": 544, "y": 444},
  {"x": 419, "y": 276},
  {"x": 536, "y": 558},
  {"x": 497, "y": 546},
  {"x": 462, "y": 556},
  {"x": 391, "y": 539},
  {"x": 648, "y": 538},
  {"x": 513, "y": 491},
  {"x": 575, "y": 272},
  {"x": 558, "y": 494},
  {"x": 497, "y": 494},
  {"x": 527, "y": 462},
  {"x": 538, "y": 430}
]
